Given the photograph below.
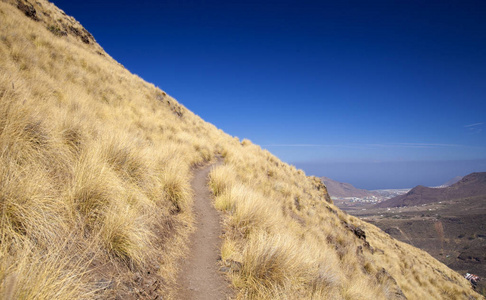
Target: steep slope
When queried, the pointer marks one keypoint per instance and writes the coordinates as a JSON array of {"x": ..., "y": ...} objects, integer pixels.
[
  {"x": 472, "y": 185},
  {"x": 340, "y": 189},
  {"x": 95, "y": 171}
]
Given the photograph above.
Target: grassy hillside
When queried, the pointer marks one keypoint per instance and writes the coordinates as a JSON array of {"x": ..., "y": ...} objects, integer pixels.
[{"x": 95, "y": 168}]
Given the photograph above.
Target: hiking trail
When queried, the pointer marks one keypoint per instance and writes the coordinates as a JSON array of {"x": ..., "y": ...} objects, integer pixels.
[{"x": 199, "y": 277}]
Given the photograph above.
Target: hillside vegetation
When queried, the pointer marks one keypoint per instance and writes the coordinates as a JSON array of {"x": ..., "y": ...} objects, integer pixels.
[{"x": 95, "y": 197}]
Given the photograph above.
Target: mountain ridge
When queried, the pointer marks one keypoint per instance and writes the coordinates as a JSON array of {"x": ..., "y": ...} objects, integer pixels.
[{"x": 471, "y": 185}]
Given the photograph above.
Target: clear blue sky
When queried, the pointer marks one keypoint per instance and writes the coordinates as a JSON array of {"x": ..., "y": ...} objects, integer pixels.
[{"x": 381, "y": 94}]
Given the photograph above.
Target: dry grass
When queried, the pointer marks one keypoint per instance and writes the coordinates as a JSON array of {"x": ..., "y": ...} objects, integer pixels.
[
  {"x": 90, "y": 152},
  {"x": 27, "y": 274},
  {"x": 95, "y": 168}
]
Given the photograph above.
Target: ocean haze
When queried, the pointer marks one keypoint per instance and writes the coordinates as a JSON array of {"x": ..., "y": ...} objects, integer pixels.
[{"x": 392, "y": 174}]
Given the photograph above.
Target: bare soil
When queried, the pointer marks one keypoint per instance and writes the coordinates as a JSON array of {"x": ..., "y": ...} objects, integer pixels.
[{"x": 200, "y": 277}]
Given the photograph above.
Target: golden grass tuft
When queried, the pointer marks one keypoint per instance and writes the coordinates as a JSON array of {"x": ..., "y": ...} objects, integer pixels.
[
  {"x": 221, "y": 178},
  {"x": 91, "y": 188},
  {"x": 249, "y": 210},
  {"x": 176, "y": 187},
  {"x": 58, "y": 272},
  {"x": 126, "y": 233},
  {"x": 270, "y": 260}
]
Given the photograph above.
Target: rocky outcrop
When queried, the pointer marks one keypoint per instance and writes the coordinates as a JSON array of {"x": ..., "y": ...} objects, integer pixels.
[
  {"x": 55, "y": 20},
  {"x": 385, "y": 278},
  {"x": 320, "y": 186},
  {"x": 28, "y": 9}
]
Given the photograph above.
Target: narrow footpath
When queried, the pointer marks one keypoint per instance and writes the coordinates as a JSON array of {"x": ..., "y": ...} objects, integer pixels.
[{"x": 200, "y": 277}]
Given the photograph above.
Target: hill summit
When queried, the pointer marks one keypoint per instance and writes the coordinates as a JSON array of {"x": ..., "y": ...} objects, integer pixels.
[{"x": 96, "y": 199}]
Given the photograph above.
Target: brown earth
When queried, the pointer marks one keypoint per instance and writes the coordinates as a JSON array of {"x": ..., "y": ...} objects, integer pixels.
[{"x": 199, "y": 276}]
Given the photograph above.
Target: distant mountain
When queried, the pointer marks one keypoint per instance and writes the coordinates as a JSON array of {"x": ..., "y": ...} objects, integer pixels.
[
  {"x": 471, "y": 185},
  {"x": 342, "y": 190}
]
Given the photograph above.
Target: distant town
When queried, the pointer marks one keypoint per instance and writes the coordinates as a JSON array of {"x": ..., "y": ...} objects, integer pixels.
[{"x": 376, "y": 197}]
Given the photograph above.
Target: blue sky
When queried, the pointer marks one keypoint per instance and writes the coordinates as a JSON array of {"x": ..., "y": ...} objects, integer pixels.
[{"x": 381, "y": 94}]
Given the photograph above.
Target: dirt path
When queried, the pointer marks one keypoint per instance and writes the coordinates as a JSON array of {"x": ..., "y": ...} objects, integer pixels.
[{"x": 200, "y": 277}]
